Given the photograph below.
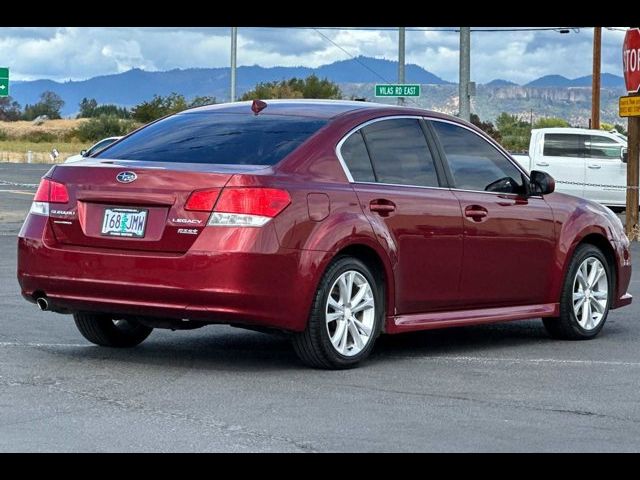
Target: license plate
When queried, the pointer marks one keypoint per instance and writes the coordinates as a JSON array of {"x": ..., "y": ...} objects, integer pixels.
[{"x": 124, "y": 222}]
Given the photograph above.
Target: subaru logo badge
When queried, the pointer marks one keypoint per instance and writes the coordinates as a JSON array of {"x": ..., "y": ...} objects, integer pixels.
[{"x": 126, "y": 177}]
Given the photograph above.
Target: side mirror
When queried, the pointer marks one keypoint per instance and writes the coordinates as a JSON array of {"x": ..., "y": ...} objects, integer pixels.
[
  {"x": 624, "y": 155},
  {"x": 83, "y": 152},
  {"x": 542, "y": 183}
]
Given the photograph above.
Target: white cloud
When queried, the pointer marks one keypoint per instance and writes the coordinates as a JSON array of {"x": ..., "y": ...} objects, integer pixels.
[{"x": 83, "y": 52}]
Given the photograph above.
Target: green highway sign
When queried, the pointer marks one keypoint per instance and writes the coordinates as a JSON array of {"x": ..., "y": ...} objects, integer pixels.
[
  {"x": 4, "y": 82},
  {"x": 398, "y": 90}
]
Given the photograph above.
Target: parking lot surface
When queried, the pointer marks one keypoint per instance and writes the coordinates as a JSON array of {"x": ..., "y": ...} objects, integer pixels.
[{"x": 504, "y": 387}]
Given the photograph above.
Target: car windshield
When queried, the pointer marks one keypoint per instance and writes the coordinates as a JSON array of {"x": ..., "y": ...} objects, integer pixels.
[{"x": 220, "y": 138}]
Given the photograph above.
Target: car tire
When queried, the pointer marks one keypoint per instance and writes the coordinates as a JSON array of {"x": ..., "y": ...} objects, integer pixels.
[
  {"x": 574, "y": 323},
  {"x": 335, "y": 337},
  {"x": 106, "y": 332}
]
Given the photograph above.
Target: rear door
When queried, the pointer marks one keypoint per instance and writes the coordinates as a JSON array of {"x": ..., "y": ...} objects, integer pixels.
[
  {"x": 397, "y": 183},
  {"x": 563, "y": 157},
  {"x": 509, "y": 239},
  {"x": 606, "y": 173}
]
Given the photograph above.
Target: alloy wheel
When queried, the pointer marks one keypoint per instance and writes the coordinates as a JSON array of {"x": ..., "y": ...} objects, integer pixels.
[{"x": 350, "y": 313}]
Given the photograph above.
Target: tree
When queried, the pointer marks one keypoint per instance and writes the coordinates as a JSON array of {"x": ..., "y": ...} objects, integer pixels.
[
  {"x": 160, "y": 106},
  {"x": 486, "y": 127},
  {"x": 310, "y": 87},
  {"x": 515, "y": 132},
  {"x": 551, "y": 122},
  {"x": 87, "y": 108},
  {"x": 50, "y": 105},
  {"x": 201, "y": 101},
  {"x": 620, "y": 129},
  {"x": 10, "y": 110}
]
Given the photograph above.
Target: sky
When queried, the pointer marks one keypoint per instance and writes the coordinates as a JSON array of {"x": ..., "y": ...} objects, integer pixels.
[{"x": 76, "y": 53}]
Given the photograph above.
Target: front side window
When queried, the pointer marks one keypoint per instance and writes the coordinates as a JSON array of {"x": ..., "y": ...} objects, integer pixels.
[
  {"x": 399, "y": 152},
  {"x": 217, "y": 138},
  {"x": 475, "y": 164},
  {"x": 565, "y": 145}
]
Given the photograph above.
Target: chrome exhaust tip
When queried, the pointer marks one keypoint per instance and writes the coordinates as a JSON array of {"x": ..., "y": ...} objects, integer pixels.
[{"x": 43, "y": 303}]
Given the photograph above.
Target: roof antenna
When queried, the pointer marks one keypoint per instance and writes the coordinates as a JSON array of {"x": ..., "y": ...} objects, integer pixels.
[{"x": 257, "y": 106}]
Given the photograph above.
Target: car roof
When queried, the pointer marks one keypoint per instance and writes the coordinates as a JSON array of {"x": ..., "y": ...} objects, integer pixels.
[{"x": 326, "y": 109}]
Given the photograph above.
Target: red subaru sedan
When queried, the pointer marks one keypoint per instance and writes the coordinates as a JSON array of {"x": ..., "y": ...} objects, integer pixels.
[{"x": 333, "y": 221}]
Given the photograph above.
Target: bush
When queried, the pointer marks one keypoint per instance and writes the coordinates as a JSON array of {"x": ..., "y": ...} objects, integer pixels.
[
  {"x": 101, "y": 127},
  {"x": 3, "y": 135}
]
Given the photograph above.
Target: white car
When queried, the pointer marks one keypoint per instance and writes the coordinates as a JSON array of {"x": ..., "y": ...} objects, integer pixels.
[
  {"x": 586, "y": 163},
  {"x": 95, "y": 148}
]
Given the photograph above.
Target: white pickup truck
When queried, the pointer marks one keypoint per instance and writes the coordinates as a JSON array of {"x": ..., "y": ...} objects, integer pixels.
[{"x": 586, "y": 163}]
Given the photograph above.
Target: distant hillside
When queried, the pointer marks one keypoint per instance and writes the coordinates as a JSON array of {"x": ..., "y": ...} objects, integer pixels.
[
  {"x": 499, "y": 82},
  {"x": 132, "y": 87},
  {"x": 550, "y": 81},
  {"x": 550, "y": 95},
  {"x": 607, "y": 80}
]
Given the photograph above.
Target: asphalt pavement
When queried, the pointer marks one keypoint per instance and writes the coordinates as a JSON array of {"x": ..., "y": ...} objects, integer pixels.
[{"x": 504, "y": 387}]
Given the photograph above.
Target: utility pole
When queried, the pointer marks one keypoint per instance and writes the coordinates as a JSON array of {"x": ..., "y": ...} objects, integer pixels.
[
  {"x": 465, "y": 73},
  {"x": 595, "y": 79},
  {"x": 234, "y": 52},
  {"x": 401, "y": 77}
]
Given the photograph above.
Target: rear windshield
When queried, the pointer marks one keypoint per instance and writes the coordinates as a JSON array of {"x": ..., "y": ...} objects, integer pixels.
[{"x": 222, "y": 138}]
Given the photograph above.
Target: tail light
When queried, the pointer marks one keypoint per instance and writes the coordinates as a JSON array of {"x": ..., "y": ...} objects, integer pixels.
[
  {"x": 248, "y": 207},
  {"x": 48, "y": 192},
  {"x": 202, "y": 200}
]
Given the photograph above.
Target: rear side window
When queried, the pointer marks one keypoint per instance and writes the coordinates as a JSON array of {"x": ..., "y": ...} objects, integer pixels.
[
  {"x": 476, "y": 164},
  {"x": 565, "y": 145},
  {"x": 233, "y": 139},
  {"x": 355, "y": 155},
  {"x": 400, "y": 153}
]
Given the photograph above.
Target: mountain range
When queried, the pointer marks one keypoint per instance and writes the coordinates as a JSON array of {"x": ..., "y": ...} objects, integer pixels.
[{"x": 356, "y": 76}]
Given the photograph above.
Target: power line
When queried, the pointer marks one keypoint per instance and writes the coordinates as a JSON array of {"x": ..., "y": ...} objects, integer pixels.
[
  {"x": 358, "y": 60},
  {"x": 446, "y": 29},
  {"x": 352, "y": 56}
]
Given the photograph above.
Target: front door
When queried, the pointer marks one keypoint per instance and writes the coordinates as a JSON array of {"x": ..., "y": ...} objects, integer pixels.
[
  {"x": 563, "y": 157},
  {"x": 509, "y": 239}
]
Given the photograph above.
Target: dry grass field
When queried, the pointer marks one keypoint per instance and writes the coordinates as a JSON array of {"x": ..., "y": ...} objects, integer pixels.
[{"x": 14, "y": 143}]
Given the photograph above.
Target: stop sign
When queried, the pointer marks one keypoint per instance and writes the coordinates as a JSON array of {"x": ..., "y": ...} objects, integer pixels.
[{"x": 631, "y": 60}]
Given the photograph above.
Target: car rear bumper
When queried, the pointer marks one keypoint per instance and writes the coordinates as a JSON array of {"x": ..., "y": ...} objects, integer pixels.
[{"x": 250, "y": 280}]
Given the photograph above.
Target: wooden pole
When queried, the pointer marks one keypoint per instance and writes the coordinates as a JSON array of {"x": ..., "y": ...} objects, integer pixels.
[
  {"x": 633, "y": 177},
  {"x": 595, "y": 79}
]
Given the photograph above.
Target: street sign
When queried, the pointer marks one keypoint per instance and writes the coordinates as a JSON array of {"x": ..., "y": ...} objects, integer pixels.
[
  {"x": 397, "y": 90},
  {"x": 631, "y": 60},
  {"x": 4, "y": 82},
  {"x": 630, "y": 106}
]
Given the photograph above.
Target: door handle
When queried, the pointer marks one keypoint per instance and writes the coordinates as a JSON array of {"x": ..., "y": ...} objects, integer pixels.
[
  {"x": 595, "y": 167},
  {"x": 542, "y": 164},
  {"x": 476, "y": 212},
  {"x": 382, "y": 207}
]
